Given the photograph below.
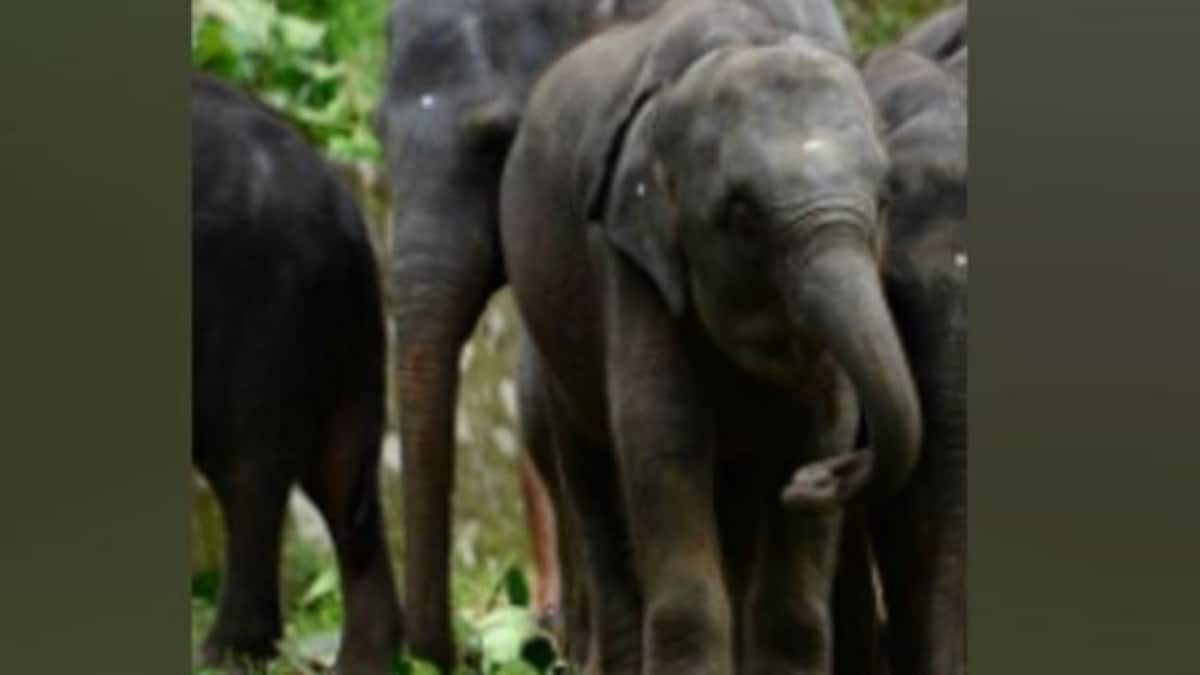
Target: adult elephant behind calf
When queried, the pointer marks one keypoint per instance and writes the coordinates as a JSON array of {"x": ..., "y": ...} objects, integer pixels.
[
  {"x": 287, "y": 367},
  {"x": 689, "y": 219},
  {"x": 940, "y": 36},
  {"x": 920, "y": 536},
  {"x": 457, "y": 78}
]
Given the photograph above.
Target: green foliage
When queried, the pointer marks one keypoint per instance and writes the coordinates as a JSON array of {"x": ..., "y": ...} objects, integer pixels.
[
  {"x": 516, "y": 588},
  {"x": 872, "y": 23},
  {"x": 495, "y": 629},
  {"x": 319, "y": 63}
]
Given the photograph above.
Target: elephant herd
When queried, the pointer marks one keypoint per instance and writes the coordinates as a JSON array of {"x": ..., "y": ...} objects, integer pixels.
[{"x": 739, "y": 257}]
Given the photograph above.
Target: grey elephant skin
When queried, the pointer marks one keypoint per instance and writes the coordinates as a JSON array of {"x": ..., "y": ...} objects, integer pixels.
[
  {"x": 941, "y": 38},
  {"x": 919, "y": 538},
  {"x": 287, "y": 363},
  {"x": 457, "y": 77},
  {"x": 690, "y": 226}
]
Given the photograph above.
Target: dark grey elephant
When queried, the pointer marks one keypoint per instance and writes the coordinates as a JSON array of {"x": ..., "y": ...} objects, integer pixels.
[
  {"x": 288, "y": 365},
  {"x": 919, "y": 538},
  {"x": 458, "y": 74},
  {"x": 942, "y": 38},
  {"x": 690, "y": 225},
  {"x": 939, "y": 36}
]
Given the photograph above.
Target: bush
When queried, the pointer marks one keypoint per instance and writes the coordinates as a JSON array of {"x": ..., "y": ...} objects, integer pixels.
[{"x": 317, "y": 61}]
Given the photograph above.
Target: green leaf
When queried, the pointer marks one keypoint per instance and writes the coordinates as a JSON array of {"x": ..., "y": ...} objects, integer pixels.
[
  {"x": 331, "y": 114},
  {"x": 502, "y": 633},
  {"x": 325, "y": 584},
  {"x": 516, "y": 587},
  {"x": 280, "y": 99},
  {"x": 300, "y": 34},
  {"x": 359, "y": 144},
  {"x": 211, "y": 51},
  {"x": 411, "y": 666},
  {"x": 317, "y": 70},
  {"x": 205, "y": 585},
  {"x": 247, "y": 23},
  {"x": 314, "y": 649}
]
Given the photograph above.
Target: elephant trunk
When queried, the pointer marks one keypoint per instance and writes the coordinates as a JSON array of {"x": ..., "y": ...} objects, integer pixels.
[{"x": 837, "y": 295}]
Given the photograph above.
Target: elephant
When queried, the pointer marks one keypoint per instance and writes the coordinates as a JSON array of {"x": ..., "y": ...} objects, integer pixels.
[
  {"x": 572, "y": 630},
  {"x": 690, "y": 226},
  {"x": 919, "y": 537},
  {"x": 457, "y": 76},
  {"x": 940, "y": 36},
  {"x": 287, "y": 363},
  {"x": 957, "y": 65}
]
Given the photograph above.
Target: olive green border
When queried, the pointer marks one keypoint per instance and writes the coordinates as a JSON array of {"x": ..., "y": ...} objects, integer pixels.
[
  {"x": 1083, "y": 546},
  {"x": 1083, "y": 382},
  {"x": 94, "y": 338}
]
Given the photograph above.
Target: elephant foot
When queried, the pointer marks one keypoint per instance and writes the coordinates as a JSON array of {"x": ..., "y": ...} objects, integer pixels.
[
  {"x": 436, "y": 650},
  {"x": 372, "y": 631},
  {"x": 366, "y": 658},
  {"x": 222, "y": 659},
  {"x": 235, "y": 655}
]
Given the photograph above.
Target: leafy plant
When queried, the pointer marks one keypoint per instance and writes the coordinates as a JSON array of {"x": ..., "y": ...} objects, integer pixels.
[
  {"x": 498, "y": 636},
  {"x": 320, "y": 70},
  {"x": 872, "y": 23}
]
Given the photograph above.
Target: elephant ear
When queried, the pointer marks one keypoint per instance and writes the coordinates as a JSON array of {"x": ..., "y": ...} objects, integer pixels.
[
  {"x": 634, "y": 201},
  {"x": 628, "y": 189},
  {"x": 940, "y": 35}
]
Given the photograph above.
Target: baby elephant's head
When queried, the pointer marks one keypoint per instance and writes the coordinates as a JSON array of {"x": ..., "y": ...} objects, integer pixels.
[{"x": 752, "y": 188}]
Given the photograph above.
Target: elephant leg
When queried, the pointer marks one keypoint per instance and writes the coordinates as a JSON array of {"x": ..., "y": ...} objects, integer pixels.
[
  {"x": 789, "y": 627},
  {"x": 604, "y": 574},
  {"x": 687, "y": 619},
  {"x": 343, "y": 482},
  {"x": 921, "y": 547},
  {"x": 920, "y": 536},
  {"x": 576, "y": 629},
  {"x": 790, "y": 620},
  {"x": 253, "y": 492},
  {"x": 660, "y": 416},
  {"x": 569, "y": 622},
  {"x": 739, "y": 514},
  {"x": 857, "y": 625},
  {"x": 556, "y": 551},
  {"x": 440, "y": 289}
]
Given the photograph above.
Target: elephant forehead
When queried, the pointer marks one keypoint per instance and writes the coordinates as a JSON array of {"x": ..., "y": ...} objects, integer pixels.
[
  {"x": 795, "y": 64},
  {"x": 773, "y": 96},
  {"x": 825, "y": 149}
]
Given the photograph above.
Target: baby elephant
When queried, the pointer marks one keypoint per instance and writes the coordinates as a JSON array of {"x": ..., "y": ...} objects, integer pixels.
[
  {"x": 287, "y": 363},
  {"x": 690, "y": 223}
]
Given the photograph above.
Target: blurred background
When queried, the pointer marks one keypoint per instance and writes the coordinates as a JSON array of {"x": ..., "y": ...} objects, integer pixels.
[{"x": 320, "y": 63}]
